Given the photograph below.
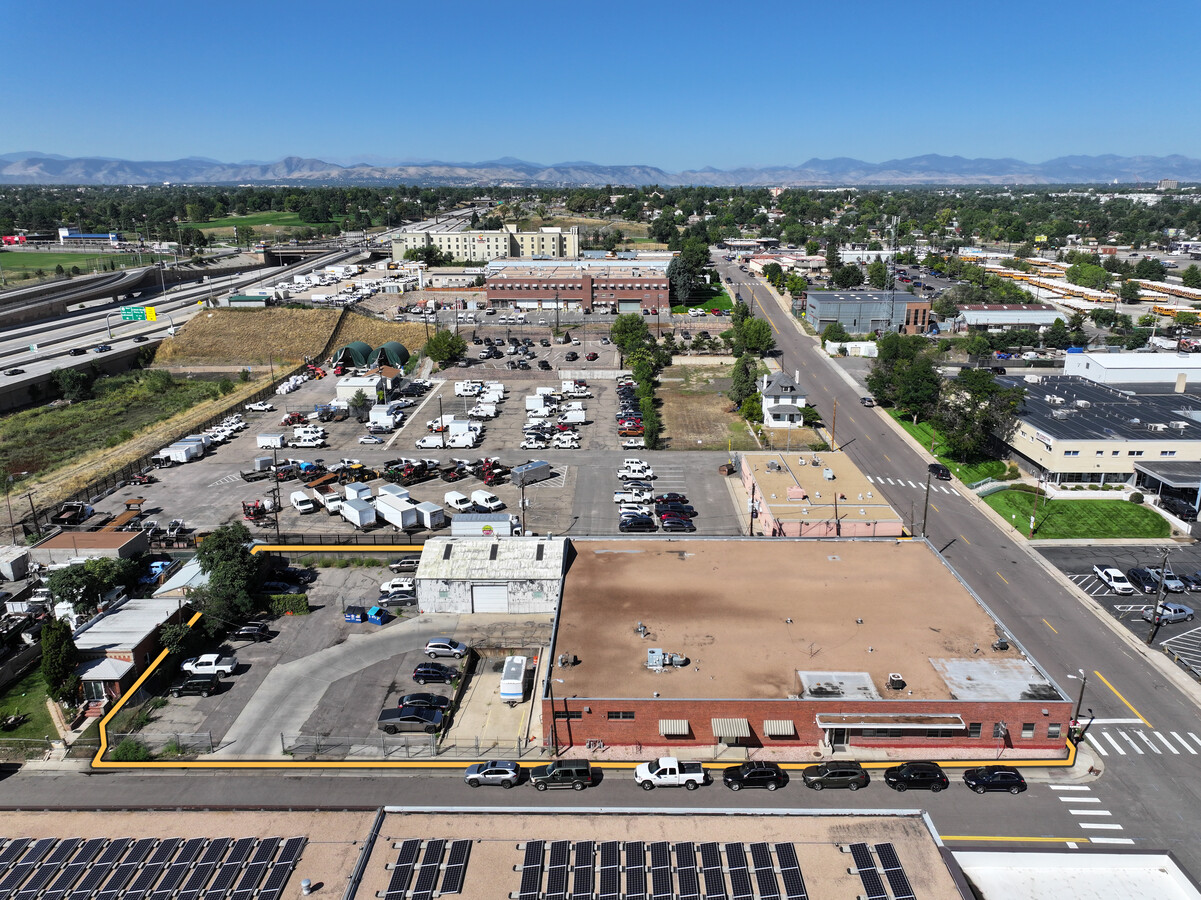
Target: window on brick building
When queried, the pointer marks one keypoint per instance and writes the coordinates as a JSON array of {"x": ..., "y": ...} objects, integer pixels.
[
  {"x": 1053, "y": 730},
  {"x": 973, "y": 730},
  {"x": 1028, "y": 729},
  {"x": 568, "y": 714},
  {"x": 940, "y": 732},
  {"x": 621, "y": 715}
]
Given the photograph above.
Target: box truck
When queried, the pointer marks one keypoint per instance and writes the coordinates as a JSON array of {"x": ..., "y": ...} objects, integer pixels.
[
  {"x": 402, "y": 513},
  {"x": 430, "y": 515},
  {"x": 358, "y": 513},
  {"x": 485, "y": 525},
  {"x": 512, "y": 680}
]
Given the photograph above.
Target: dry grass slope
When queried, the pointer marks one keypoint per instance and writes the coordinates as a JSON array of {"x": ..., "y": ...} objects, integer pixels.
[{"x": 251, "y": 336}]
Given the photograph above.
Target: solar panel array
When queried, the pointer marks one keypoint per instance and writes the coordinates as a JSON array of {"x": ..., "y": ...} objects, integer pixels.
[
  {"x": 873, "y": 886},
  {"x": 146, "y": 868},
  {"x": 415, "y": 874},
  {"x": 599, "y": 866},
  {"x": 894, "y": 872}
]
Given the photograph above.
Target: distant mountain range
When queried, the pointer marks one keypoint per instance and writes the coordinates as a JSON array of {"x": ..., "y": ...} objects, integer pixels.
[{"x": 28, "y": 167}]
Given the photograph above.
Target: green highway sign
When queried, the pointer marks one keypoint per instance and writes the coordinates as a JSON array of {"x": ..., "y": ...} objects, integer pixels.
[{"x": 138, "y": 314}]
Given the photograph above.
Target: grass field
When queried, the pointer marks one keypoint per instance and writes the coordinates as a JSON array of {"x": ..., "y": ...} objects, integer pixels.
[
  {"x": 1080, "y": 519},
  {"x": 969, "y": 472},
  {"x": 19, "y": 263},
  {"x": 707, "y": 298},
  {"x": 695, "y": 410},
  {"x": 261, "y": 222},
  {"x": 28, "y": 696}
]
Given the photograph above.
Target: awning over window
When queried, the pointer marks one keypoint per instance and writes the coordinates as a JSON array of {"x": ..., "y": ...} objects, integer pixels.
[
  {"x": 731, "y": 728},
  {"x": 779, "y": 727},
  {"x": 906, "y": 721},
  {"x": 673, "y": 727}
]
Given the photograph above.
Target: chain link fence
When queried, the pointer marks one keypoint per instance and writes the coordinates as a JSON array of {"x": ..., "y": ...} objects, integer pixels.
[{"x": 168, "y": 743}]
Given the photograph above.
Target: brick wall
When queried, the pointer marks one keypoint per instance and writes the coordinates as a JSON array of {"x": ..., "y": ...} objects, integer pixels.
[{"x": 594, "y": 722}]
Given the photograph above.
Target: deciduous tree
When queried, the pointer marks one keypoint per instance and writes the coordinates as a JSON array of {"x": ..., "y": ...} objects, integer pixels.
[{"x": 59, "y": 659}]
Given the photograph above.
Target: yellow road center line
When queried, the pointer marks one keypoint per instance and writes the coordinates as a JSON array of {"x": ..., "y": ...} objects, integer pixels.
[
  {"x": 1049, "y": 625},
  {"x": 1003, "y": 578},
  {"x": 1123, "y": 699}
]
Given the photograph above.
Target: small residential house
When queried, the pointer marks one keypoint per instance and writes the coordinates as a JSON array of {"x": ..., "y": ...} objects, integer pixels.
[
  {"x": 782, "y": 401},
  {"x": 117, "y": 645}
]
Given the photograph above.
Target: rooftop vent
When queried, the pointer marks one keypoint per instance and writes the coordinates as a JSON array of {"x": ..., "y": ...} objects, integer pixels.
[{"x": 1156, "y": 426}]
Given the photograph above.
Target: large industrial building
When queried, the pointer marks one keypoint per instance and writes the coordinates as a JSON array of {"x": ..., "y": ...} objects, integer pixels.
[
  {"x": 732, "y": 645},
  {"x": 624, "y": 289},
  {"x": 485, "y": 245},
  {"x": 865, "y": 312}
]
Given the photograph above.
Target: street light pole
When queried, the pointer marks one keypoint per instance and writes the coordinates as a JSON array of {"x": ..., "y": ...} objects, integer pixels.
[
  {"x": 926, "y": 505},
  {"x": 1080, "y": 696}
]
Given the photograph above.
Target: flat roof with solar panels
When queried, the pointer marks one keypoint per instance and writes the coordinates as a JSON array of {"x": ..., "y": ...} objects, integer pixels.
[{"x": 521, "y": 855}]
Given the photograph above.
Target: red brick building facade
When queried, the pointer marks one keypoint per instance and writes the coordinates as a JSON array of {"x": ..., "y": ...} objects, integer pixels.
[{"x": 606, "y": 290}]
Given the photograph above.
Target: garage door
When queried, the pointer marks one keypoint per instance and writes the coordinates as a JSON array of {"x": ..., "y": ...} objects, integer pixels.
[
  {"x": 629, "y": 306},
  {"x": 490, "y": 598}
]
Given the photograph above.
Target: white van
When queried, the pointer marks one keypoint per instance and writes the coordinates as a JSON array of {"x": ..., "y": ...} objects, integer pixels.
[
  {"x": 302, "y": 502},
  {"x": 512, "y": 680}
]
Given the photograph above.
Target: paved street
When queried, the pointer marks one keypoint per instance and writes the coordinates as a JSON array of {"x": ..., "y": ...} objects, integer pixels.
[{"x": 1154, "y": 792}]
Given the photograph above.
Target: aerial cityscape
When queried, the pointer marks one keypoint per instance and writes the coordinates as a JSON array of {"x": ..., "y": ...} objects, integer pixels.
[{"x": 715, "y": 405}]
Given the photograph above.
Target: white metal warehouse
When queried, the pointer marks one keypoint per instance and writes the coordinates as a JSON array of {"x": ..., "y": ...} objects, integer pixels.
[{"x": 491, "y": 575}]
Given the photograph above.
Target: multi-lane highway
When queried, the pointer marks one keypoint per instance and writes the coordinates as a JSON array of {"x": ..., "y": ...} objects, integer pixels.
[{"x": 1154, "y": 783}]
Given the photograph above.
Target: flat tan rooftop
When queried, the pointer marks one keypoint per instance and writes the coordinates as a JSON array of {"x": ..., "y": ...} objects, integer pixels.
[
  {"x": 751, "y": 614},
  {"x": 497, "y": 837},
  {"x": 795, "y": 487}
]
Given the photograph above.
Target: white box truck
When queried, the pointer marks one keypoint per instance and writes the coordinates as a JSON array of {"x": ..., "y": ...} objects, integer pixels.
[
  {"x": 512, "y": 680},
  {"x": 485, "y": 525},
  {"x": 358, "y": 513},
  {"x": 392, "y": 490},
  {"x": 486, "y": 500},
  {"x": 302, "y": 502},
  {"x": 430, "y": 515},
  {"x": 395, "y": 511}
]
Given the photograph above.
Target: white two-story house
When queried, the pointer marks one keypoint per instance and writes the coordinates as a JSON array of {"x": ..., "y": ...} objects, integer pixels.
[{"x": 782, "y": 401}]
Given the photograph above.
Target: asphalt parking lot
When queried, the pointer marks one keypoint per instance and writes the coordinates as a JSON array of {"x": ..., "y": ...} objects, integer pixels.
[
  {"x": 337, "y": 690},
  {"x": 1182, "y": 639}
]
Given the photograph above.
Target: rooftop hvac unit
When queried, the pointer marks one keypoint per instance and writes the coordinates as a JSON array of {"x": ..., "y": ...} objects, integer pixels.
[
  {"x": 1059, "y": 414},
  {"x": 1056, "y": 400},
  {"x": 1156, "y": 426},
  {"x": 1083, "y": 404},
  {"x": 1178, "y": 424}
]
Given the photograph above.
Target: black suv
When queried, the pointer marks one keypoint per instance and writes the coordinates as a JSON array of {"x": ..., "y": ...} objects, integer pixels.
[
  {"x": 995, "y": 778},
  {"x": 562, "y": 773},
  {"x": 917, "y": 775},
  {"x": 849, "y": 775},
  {"x": 1142, "y": 580},
  {"x": 754, "y": 775},
  {"x": 1179, "y": 509},
  {"x": 939, "y": 471},
  {"x": 434, "y": 672},
  {"x": 197, "y": 684}
]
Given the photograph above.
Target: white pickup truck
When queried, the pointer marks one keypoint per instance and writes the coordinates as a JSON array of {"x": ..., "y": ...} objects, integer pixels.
[
  {"x": 1113, "y": 578},
  {"x": 667, "y": 771},
  {"x": 210, "y": 664}
]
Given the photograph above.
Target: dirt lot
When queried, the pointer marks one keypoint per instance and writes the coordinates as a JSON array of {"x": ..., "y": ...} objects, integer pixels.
[{"x": 696, "y": 412}]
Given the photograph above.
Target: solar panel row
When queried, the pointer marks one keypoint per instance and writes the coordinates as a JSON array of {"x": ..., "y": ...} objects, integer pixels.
[
  {"x": 873, "y": 885},
  {"x": 427, "y": 875},
  {"x": 894, "y": 872},
  {"x": 790, "y": 872}
]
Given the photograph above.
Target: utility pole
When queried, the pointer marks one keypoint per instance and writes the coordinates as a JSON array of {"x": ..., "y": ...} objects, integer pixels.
[
  {"x": 751, "y": 510},
  {"x": 523, "y": 506},
  {"x": 834, "y": 427},
  {"x": 1157, "y": 616},
  {"x": 926, "y": 506}
]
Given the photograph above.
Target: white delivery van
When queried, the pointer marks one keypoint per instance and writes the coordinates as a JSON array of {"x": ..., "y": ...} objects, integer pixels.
[
  {"x": 302, "y": 502},
  {"x": 458, "y": 502},
  {"x": 512, "y": 680}
]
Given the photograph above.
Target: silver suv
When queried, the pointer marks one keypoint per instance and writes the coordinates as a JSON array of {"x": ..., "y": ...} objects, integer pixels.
[{"x": 444, "y": 646}]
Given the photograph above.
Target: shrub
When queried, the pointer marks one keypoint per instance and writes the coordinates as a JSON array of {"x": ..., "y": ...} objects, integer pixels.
[
  {"x": 130, "y": 750},
  {"x": 1136, "y": 497},
  {"x": 289, "y": 604},
  {"x": 1028, "y": 489}
]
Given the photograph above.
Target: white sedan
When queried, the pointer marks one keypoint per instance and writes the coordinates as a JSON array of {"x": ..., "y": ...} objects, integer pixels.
[{"x": 371, "y": 439}]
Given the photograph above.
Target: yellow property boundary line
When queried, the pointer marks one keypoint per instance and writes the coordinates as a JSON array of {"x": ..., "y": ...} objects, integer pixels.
[{"x": 99, "y": 762}]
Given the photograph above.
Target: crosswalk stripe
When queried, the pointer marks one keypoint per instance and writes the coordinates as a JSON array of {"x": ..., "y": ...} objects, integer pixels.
[
  {"x": 1090, "y": 812},
  {"x": 1115, "y": 721},
  {"x": 1116, "y": 746},
  {"x": 1079, "y": 799},
  {"x": 889, "y": 480},
  {"x": 915, "y": 486},
  {"x": 1184, "y": 743},
  {"x": 1070, "y": 787},
  {"x": 1150, "y": 743},
  {"x": 956, "y": 493},
  {"x": 1108, "y": 826},
  {"x": 1103, "y": 840},
  {"x": 1096, "y": 746},
  {"x": 1195, "y": 738},
  {"x": 1129, "y": 740},
  {"x": 1164, "y": 739}
]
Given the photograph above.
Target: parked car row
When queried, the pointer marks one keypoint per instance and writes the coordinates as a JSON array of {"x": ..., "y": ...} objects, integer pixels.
[
  {"x": 1149, "y": 580},
  {"x": 641, "y": 509},
  {"x": 629, "y": 416},
  {"x": 667, "y": 771}
]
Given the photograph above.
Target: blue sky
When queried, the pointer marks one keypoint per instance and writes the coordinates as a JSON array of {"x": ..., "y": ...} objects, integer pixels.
[{"x": 677, "y": 85}]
